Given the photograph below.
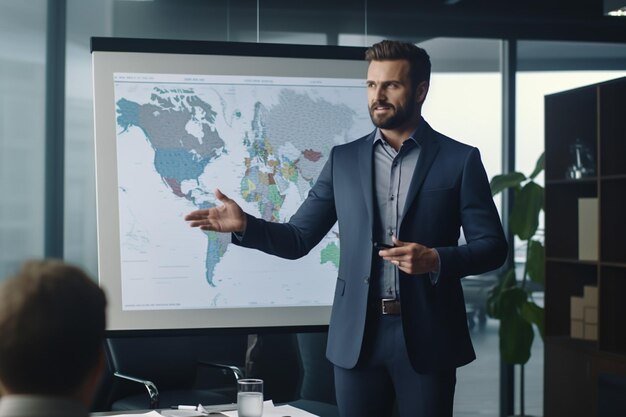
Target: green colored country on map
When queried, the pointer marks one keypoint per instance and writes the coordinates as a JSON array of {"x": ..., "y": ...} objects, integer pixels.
[{"x": 330, "y": 254}]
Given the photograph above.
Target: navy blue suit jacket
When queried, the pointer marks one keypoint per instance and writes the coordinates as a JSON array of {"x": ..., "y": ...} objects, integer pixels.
[{"x": 449, "y": 190}]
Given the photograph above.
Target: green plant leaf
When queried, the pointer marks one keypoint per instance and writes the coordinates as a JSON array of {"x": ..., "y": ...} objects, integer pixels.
[
  {"x": 511, "y": 301},
  {"x": 535, "y": 262},
  {"x": 525, "y": 213},
  {"x": 507, "y": 301},
  {"x": 493, "y": 303},
  {"x": 534, "y": 314},
  {"x": 516, "y": 334},
  {"x": 504, "y": 181},
  {"x": 538, "y": 167},
  {"x": 516, "y": 339},
  {"x": 507, "y": 280}
]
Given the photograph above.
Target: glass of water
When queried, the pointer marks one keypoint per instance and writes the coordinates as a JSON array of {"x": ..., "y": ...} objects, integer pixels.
[{"x": 250, "y": 397}]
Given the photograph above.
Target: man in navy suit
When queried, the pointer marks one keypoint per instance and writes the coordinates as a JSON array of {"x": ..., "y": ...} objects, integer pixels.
[{"x": 398, "y": 328}]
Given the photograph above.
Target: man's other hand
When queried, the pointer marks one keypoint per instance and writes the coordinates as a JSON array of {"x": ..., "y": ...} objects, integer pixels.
[{"x": 411, "y": 258}]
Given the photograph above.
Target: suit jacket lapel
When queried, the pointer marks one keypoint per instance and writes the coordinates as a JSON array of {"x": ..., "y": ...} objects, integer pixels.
[
  {"x": 366, "y": 170},
  {"x": 430, "y": 148}
]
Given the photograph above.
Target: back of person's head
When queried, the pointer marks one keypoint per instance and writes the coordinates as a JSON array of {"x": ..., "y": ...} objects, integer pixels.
[
  {"x": 418, "y": 58},
  {"x": 52, "y": 321}
]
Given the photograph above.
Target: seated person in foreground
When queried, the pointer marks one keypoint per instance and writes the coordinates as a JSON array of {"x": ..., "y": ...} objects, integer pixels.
[{"x": 52, "y": 321}]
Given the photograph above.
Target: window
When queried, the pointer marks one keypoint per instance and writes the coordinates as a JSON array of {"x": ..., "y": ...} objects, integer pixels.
[{"x": 22, "y": 127}]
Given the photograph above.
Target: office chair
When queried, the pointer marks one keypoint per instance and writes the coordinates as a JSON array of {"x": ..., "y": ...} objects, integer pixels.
[
  {"x": 317, "y": 386},
  {"x": 159, "y": 372},
  {"x": 274, "y": 358}
]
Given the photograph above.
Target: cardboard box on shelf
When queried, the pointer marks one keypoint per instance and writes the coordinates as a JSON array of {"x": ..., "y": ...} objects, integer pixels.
[
  {"x": 577, "y": 329},
  {"x": 584, "y": 314},
  {"x": 577, "y": 305},
  {"x": 590, "y": 331},
  {"x": 590, "y": 315},
  {"x": 588, "y": 229},
  {"x": 591, "y": 296}
]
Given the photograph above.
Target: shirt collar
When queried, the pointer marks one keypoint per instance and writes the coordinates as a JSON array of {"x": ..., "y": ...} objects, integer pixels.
[{"x": 416, "y": 136}]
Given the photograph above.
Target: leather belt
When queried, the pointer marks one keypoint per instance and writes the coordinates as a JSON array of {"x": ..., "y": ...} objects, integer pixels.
[{"x": 388, "y": 306}]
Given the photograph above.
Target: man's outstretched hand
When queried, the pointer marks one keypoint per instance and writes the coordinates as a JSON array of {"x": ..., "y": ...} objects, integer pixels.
[{"x": 226, "y": 218}]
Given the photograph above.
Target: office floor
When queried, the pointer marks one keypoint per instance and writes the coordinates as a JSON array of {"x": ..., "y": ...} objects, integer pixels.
[{"x": 477, "y": 388}]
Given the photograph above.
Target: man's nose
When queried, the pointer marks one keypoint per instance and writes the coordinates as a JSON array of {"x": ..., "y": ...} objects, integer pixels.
[{"x": 379, "y": 94}]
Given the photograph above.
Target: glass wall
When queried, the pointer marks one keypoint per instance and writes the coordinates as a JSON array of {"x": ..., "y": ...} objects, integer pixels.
[
  {"x": 550, "y": 67},
  {"x": 22, "y": 127},
  {"x": 84, "y": 19},
  {"x": 465, "y": 100}
]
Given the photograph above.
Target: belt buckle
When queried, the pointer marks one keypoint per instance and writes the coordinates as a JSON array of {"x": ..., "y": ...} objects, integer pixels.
[{"x": 383, "y": 305}]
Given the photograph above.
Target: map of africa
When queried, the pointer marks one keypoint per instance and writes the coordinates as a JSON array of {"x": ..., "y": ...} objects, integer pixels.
[{"x": 263, "y": 142}]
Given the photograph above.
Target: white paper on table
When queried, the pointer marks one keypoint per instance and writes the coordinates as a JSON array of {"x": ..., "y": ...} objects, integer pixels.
[
  {"x": 181, "y": 413},
  {"x": 148, "y": 414},
  {"x": 270, "y": 410}
]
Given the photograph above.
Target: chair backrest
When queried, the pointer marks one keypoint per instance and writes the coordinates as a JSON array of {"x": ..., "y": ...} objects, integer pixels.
[
  {"x": 170, "y": 362},
  {"x": 166, "y": 361},
  {"x": 273, "y": 357},
  {"x": 293, "y": 366},
  {"x": 318, "y": 380}
]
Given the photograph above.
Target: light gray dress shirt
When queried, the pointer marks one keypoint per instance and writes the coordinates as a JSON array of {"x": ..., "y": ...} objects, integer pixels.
[{"x": 393, "y": 172}]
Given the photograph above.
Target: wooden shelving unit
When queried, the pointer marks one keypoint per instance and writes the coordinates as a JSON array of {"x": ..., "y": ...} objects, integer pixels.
[{"x": 596, "y": 116}]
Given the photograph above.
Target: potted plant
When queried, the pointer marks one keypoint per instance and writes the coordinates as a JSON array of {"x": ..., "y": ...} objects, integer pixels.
[{"x": 511, "y": 300}]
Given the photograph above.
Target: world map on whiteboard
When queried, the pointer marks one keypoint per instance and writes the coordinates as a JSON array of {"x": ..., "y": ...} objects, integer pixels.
[{"x": 261, "y": 141}]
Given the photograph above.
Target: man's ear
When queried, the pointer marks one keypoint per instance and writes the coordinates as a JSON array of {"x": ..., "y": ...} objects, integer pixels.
[{"x": 421, "y": 92}]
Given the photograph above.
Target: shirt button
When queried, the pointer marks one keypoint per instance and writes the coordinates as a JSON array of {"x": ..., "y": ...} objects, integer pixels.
[
  {"x": 366, "y": 280},
  {"x": 391, "y": 198}
]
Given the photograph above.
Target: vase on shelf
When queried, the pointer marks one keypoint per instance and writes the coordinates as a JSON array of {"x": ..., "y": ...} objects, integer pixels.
[{"x": 583, "y": 164}]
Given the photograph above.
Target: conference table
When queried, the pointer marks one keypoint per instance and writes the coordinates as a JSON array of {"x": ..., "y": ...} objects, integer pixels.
[
  {"x": 131, "y": 412},
  {"x": 214, "y": 411}
]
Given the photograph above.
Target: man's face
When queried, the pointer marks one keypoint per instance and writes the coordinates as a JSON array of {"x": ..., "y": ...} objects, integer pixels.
[{"x": 391, "y": 98}]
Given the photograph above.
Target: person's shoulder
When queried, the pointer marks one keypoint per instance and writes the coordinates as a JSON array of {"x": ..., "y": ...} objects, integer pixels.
[{"x": 448, "y": 143}]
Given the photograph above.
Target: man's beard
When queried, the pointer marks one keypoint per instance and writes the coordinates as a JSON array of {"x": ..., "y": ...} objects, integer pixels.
[{"x": 397, "y": 118}]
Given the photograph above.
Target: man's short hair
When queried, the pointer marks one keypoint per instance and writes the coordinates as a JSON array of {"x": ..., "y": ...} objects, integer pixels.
[
  {"x": 387, "y": 50},
  {"x": 52, "y": 321}
]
